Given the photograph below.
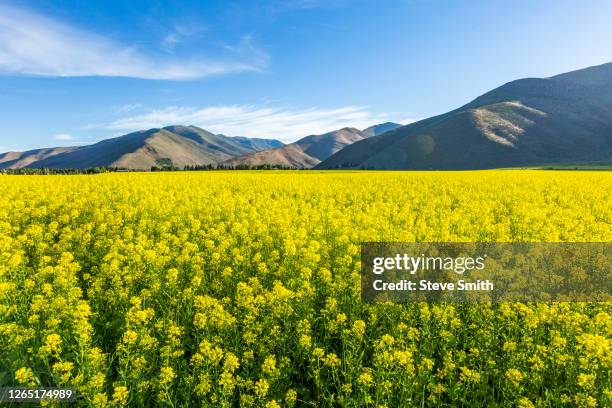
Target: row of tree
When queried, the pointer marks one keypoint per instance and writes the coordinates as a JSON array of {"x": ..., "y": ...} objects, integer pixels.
[
  {"x": 98, "y": 170},
  {"x": 47, "y": 171},
  {"x": 222, "y": 166}
]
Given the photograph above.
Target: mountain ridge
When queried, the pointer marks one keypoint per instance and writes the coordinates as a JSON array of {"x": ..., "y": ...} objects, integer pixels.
[
  {"x": 303, "y": 153},
  {"x": 381, "y": 128},
  {"x": 172, "y": 145}
]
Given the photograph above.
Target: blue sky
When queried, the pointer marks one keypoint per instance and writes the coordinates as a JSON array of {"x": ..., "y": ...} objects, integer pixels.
[{"x": 75, "y": 72}]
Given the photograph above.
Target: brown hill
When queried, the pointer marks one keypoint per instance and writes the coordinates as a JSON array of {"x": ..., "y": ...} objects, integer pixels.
[
  {"x": 171, "y": 146},
  {"x": 16, "y": 160},
  {"x": 305, "y": 153},
  {"x": 290, "y": 155}
]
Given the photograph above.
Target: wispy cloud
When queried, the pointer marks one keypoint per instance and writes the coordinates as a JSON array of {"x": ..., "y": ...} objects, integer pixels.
[
  {"x": 128, "y": 107},
  {"x": 286, "y": 125},
  {"x": 170, "y": 41},
  {"x": 33, "y": 44},
  {"x": 289, "y": 5},
  {"x": 64, "y": 137},
  {"x": 180, "y": 32}
]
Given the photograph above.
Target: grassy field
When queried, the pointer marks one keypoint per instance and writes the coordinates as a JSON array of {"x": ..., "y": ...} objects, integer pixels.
[
  {"x": 599, "y": 167},
  {"x": 603, "y": 166},
  {"x": 243, "y": 289}
]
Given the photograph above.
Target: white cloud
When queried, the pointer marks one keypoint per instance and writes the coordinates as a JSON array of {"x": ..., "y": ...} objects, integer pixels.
[
  {"x": 170, "y": 41},
  {"x": 64, "y": 137},
  {"x": 33, "y": 44},
  {"x": 286, "y": 125},
  {"x": 182, "y": 30},
  {"x": 128, "y": 107}
]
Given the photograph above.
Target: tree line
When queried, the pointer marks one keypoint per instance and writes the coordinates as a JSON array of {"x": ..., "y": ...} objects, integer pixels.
[{"x": 102, "y": 169}]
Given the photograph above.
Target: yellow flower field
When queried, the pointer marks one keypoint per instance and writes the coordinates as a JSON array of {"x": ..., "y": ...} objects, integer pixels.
[{"x": 243, "y": 289}]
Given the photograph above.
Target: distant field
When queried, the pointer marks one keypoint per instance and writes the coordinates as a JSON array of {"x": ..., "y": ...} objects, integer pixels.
[
  {"x": 576, "y": 166},
  {"x": 243, "y": 289},
  {"x": 579, "y": 167}
]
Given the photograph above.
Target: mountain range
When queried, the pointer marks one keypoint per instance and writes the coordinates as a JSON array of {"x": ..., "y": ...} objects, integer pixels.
[
  {"x": 169, "y": 146},
  {"x": 181, "y": 146},
  {"x": 311, "y": 150},
  {"x": 564, "y": 119}
]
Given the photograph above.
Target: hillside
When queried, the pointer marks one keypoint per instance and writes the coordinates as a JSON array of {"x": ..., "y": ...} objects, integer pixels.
[
  {"x": 380, "y": 129},
  {"x": 173, "y": 145},
  {"x": 529, "y": 122},
  {"x": 17, "y": 160},
  {"x": 258, "y": 144},
  {"x": 290, "y": 155},
  {"x": 305, "y": 153}
]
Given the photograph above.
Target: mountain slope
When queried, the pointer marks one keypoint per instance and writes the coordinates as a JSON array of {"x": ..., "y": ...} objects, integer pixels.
[
  {"x": 16, "y": 160},
  {"x": 563, "y": 119},
  {"x": 290, "y": 155},
  {"x": 173, "y": 145},
  {"x": 258, "y": 144},
  {"x": 380, "y": 129},
  {"x": 305, "y": 153}
]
